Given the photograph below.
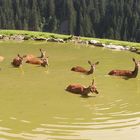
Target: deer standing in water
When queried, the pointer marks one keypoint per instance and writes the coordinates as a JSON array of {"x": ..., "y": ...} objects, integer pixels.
[
  {"x": 85, "y": 71},
  {"x": 17, "y": 62},
  {"x": 127, "y": 73},
  {"x": 82, "y": 90}
]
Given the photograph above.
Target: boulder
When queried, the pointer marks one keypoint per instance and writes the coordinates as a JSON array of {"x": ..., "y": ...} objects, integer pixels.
[
  {"x": 1, "y": 36},
  {"x": 40, "y": 39},
  {"x": 96, "y": 43},
  {"x": 116, "y": 47},
  {"x": 55, "y": 40}
]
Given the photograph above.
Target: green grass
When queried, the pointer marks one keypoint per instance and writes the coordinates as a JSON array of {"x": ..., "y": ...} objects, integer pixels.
[
  {"x": 47, "y": 35},
  {"x": 31, "y": 33}
]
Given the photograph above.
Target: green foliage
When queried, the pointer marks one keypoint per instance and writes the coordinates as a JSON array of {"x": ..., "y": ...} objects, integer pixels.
[
  {"x": 116, "y": 19},
  {"x": 30, "y": 34}
]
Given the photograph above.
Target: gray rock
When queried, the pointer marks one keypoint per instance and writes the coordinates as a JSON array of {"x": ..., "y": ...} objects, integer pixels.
[
  {"x": 40, "y": 39},
  {"x": 116, "y": 47}
]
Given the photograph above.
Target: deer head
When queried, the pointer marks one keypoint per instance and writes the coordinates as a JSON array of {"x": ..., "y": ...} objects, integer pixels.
[
  {"x": 93, "y": 88},
  {"x": 93, "y": 66},
  {"x": 44, "y": 62},
  {"x": 137, "y": 63}
]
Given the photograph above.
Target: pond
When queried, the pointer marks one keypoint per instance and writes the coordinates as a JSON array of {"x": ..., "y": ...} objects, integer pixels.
[{"x": 35, "y": 106}]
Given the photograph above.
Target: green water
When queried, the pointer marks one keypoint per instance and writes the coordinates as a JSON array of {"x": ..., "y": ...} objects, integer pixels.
[{"x": 35, "y": 106}]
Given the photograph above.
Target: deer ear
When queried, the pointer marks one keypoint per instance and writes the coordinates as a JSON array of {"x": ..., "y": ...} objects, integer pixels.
[
  {"x": 134, "y": 59},
  {"x": 89, "y": 62},
  {"x": 40, "y": 49},
  {"x": 18, "y": 55},
  {"x": 97, "y": 63}
]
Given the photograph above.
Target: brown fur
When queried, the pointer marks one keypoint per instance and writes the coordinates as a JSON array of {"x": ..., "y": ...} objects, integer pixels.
[
  {"x": 127, "y": 73},
  {"x": 80, "y": 89},
  {"x": 37, "y": 61},
  {"x": 41, "y": 60},
  {"x": 85, "y": 71},
  {"x": 17, "y": 62}
]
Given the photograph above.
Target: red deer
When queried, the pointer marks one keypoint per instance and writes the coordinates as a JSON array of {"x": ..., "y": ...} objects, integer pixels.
[
  {"x": 127, "y": 73},
  {"x": 28, "y": 57},
  {"x": 17, "y": 62},
  {"x": 83, "y": 70},
  {"x": 42, "y": 60},
  {"x": 80, "y": 89},
  {"x": 38, "y": 61}
]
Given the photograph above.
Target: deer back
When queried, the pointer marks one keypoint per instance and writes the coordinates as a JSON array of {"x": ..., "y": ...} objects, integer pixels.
[
  {"x": 34, "y": 60},
  {"x": 79, "y": 69},
  {"x": 127, "y": 73},
  {"x": 75, "y": 88},
  {"x": 80, "y": 89}
]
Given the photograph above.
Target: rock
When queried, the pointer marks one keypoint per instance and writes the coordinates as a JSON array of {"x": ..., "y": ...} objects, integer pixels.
[
  {"x": 16, "y": 37},
  {"x": 92, "y": 42},
  {"x": 27, "y": 38},
  {"x": 133, "y": 49},
  {"x": 96, "y": 43},
  {"x": 116, "y": 47},
  {"x": 6, "y": 38},
  {"x": 61, "y": 40},
  {"x": 1, "y": 36},
  {"x": 55, "y": 40},
  {"x": 40, "y": 39}
]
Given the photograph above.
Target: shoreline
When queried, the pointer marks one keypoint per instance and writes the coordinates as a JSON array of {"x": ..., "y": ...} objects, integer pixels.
[{"x": 69, "y": 38}]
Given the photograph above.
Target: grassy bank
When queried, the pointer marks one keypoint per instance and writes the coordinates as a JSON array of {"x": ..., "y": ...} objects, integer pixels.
[{"x": 47, "y": 35}]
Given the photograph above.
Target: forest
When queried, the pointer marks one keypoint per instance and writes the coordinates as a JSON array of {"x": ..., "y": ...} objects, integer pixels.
[{"x": 112, "y": 19}]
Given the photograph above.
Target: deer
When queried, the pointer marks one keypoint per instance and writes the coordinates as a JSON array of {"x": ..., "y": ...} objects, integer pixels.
[
  {"x": 38, "y": 61},
  {"x": 127, "y": 73},
  {"x": 30, "y": 56},
  {"x": 43, "y": 54},
  {"x": 42, "y": 60},
  {"x": 85, "y": 71},
  {"x": 82, "y": 90},
  {"x": 17, "y": 61}
]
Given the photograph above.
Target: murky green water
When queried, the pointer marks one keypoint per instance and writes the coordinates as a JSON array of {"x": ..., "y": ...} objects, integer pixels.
[{"x": 35, "y": 106}]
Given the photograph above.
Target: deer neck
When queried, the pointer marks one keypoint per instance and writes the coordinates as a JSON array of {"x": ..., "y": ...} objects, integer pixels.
[
  {"x": 86, "y": 90},
  {"x": 135, "y": 71},
  {"x": 91, "y": 70}
]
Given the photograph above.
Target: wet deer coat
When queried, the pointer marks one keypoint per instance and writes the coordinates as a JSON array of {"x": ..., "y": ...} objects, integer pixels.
[
  {"x": 80, "y": 89},
  {"x": 127, "y": 73},
  {"x": 85, "y": 71}
]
